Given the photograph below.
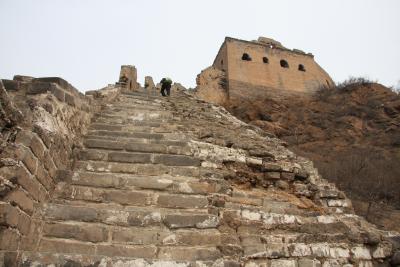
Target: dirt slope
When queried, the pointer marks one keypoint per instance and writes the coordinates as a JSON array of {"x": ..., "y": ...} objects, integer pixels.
[{"x": 351, "y": 132}]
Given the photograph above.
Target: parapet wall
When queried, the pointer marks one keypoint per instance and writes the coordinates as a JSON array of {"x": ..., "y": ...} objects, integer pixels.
[{"x": 42, "y": 120}]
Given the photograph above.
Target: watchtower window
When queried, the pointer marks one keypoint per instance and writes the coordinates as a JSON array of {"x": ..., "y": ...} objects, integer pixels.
[
  {"x": 265, "y": 60},
  {"x": 222, "y": 62},
  {"x": 284, "y": 64},
  {"x": 301, "y": 67},
  {"x": 246, "y": 57}
]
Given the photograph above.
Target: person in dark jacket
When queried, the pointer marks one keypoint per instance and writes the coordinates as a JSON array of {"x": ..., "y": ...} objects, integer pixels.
[{"x": 166, "y": 86}]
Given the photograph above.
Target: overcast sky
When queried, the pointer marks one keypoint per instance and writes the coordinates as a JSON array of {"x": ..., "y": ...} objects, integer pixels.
[{"x": 85, "y": 42}]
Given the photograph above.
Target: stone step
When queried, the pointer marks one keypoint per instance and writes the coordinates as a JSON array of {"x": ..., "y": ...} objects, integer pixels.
[
  {"x": 132, "y": 197},
  {"x": 158, "y": 236},
  {"x": 129, "y": 106},
  {"x": 96, "y": 135},
  {"x": 142, "y": 94},
  {"x": 133, "y": 128},
  {"x": 99, "y": 149},
  {"x": 181, "y": 185},
  {"x": 134, "y": 117},
  {"x": 51, "y": 251},
  {"x": 79, "y": 259},
  {"x": 139, "y": 169},
  {"x": 116, "y": 133},
  {"x": 139, "y": 111},
  {"x": 141, "y": 157},
  {"x": 152, "y": 123},
  {"x": 108, "y": 214}
]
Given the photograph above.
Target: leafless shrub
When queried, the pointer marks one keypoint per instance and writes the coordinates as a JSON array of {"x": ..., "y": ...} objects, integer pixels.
[{"x": 366, "y": 174}]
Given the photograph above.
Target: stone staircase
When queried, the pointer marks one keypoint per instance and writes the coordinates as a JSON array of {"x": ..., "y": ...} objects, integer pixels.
[{"x": 138, "y": 196}]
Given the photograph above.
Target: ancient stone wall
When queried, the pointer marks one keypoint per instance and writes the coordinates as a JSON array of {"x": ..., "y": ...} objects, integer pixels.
[
  {"x": 128, "y": 77},
  {"x": 41, "y": 124},
  {"x": 263, "y": 67},
  {"x": 149, "y": 83},
  {"x": 212, "y": 86}
]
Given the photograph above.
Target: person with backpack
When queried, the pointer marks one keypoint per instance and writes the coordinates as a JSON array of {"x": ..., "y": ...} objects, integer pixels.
[{"x": 166, "y": 86}]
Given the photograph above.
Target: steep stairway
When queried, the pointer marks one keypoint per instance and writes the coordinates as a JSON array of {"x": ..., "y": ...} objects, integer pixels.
[{"x": 144, "y": 192}]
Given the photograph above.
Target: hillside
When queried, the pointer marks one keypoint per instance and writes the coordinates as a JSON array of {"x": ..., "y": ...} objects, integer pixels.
[{"x": 351, "y": 132}]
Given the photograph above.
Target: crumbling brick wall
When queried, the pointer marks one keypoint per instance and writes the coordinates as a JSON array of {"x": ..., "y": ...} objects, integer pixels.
[
  {"x": 212, "y": 86},
  {"x": 128, "y": 77},
  {"x": 41, "y": 120}
]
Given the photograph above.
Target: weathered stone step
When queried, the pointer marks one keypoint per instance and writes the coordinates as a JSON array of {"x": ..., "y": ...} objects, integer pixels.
[
  {"x": 172, "y": 136},
  {"x": 149, "y": 252},
  {"x": 133, "y": 128},
  {"x": 139, "y": 169},
  {"x": 142, "y": 94},
  {"x": 78, "y": 259},
  {"x": 141, "y": 157},
  {"x": 137, "y": 111},
  {"x": 139, "y": 116},
  {"x": 127, "y": 134},
  {"x": 132, "y": 197},
  {"x": 152, "y": 123},
  {"x": 127, "y": 216},
  {"x": 133, "y": 106},
  {"x": 95, "y": 135},
  {"x": 158, "y": 236},
  {"x": 183, "y": 185},
  {"x": 99, "y": 149}
]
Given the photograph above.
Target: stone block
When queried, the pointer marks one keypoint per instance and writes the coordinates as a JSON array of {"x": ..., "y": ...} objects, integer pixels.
[
  {"x": 299, "y": 250},
  {"x": 287, "y": 176},
  {"x": 70, "y": 99},
  {"x": 20, "y": 198},
  {"x": 90, "y": 233},
  {"x": 58, "y": 93},
  {"x": 129, "y": 157},
  {"x": 49, "y": 165},
  {"x": 106, "y": 144},
  {"x": 24, "y": 137},
  {"x": 57, "y": 80},
  {"x": 361, "y": 253},
  {"x": 195, "y": 238},
  {"x": 182, "y": 201},
  {"x": 71, "y": 213},
  {"x": 9, "y": 239},
  {"x": 27, "y": 157},
  {"x": 143, "y": 218},
  {"x": 26, "y": 180},
  {"x": 201, "y": 221},
  {"x": 339, "y": 252},
  {"x": 39, "y": 88},
  {"x": 37, "y": 147},
  {"x": 92, "y": 155},
  {"x": 269, "y": 166},
  {"x": 45, "y": 135},
  {"x": 103, "y": 180},
  {"x": 283, "y": 263},
  {"x": 138, "y": 236},
  {"x": 272, "y": 175},
  {"x": 12, "y": 216},
  {"x": 308, "y": 263},
  {"x": 11, "y": 85},
  {"x": 188, "y": 254},
  {"x": 140, "y": 147},
  {"x": 176, "y": 160},
  {"x": 64, "y": 246},
  {"x": 136, "y": 198},
  {"x": 149, "y": 252},
  {"x": 43, "y": 176}
]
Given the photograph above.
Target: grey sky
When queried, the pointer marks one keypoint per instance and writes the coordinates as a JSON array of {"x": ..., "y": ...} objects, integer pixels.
[{"x": 86, "y": 41}]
